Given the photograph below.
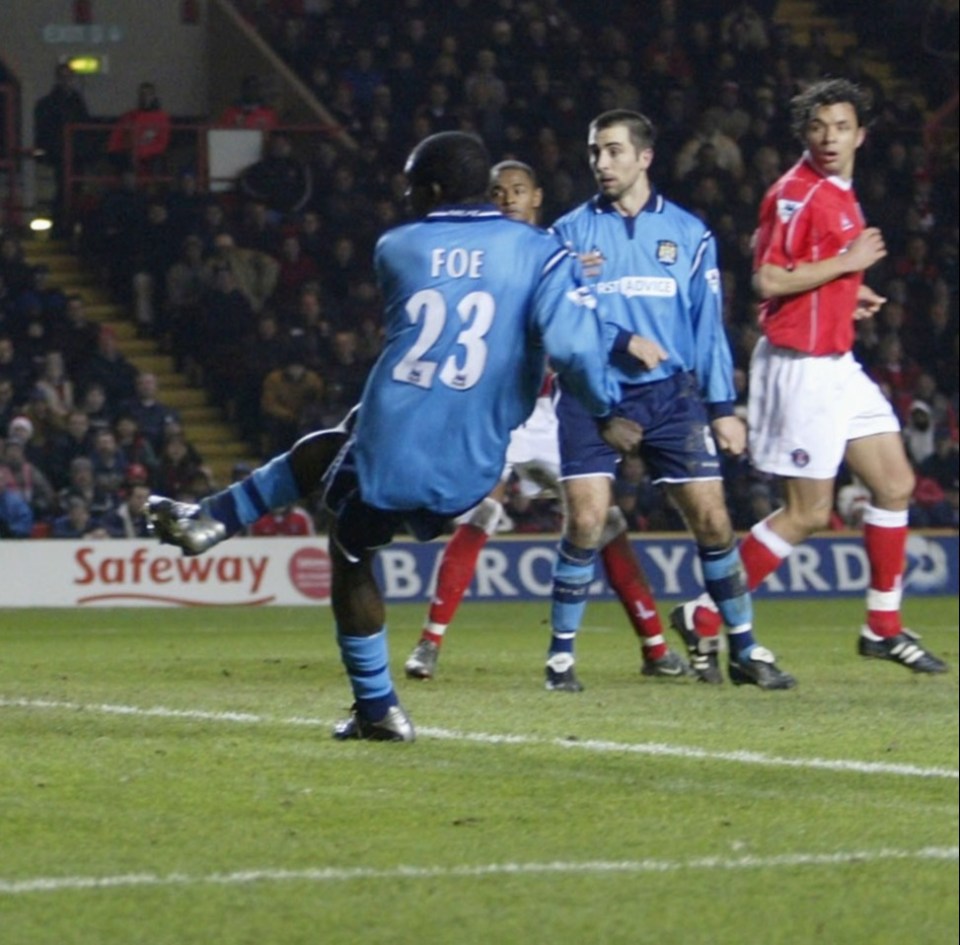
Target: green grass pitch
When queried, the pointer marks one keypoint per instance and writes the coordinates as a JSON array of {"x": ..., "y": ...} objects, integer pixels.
[{"x": 168, "y": 778}]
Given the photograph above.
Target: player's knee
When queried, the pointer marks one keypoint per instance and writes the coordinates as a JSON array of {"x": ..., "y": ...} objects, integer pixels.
[
  {"x": 710, "y": 525},
  {"x": 895, "y": 491},
  {"x": 615, "y": 524},
  {"x": 584, "y": 525},
  {"x": 487, "y": 515}
]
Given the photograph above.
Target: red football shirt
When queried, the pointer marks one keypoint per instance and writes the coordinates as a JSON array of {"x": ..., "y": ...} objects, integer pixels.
[{"x": 806, "y": 217}]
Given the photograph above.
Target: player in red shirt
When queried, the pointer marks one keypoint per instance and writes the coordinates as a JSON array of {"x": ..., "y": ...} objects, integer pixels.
[{"x": 812, "y": 407}]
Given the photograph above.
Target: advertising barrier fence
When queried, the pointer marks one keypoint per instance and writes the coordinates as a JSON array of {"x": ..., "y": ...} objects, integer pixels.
[{"x": 296, "y": 571}]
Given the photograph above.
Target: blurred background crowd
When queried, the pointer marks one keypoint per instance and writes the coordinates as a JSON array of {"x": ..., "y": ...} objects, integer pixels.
[{"x": 264, "y": 294}]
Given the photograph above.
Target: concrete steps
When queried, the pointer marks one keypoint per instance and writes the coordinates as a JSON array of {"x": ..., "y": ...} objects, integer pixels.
[{"x": 215, "y": 439}]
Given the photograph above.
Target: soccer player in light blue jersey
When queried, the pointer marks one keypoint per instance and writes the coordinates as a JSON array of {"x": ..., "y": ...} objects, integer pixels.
[
  {"x": 653, "y": 266},
  {"x": 473, "y": 306}
]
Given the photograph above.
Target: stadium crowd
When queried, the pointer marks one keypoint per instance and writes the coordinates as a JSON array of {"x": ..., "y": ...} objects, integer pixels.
[{"x": 265, "y": 295}]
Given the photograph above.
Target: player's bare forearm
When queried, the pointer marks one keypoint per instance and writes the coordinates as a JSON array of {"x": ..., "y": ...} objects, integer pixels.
[
  {"x": 868, "y": 303},
  {"x": 621, "y": 434},
  {"x": 647, "y": 351},
  {"x": 771, "y": 281},
  {"x": 731, "y": 434}
]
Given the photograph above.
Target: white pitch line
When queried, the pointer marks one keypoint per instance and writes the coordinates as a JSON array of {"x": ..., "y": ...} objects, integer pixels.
[
  {"x": 48, "y": 884},
  {"x": 641, "y": 748}
]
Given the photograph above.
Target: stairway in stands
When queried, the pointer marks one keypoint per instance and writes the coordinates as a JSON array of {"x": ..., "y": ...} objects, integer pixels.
[
  {"x": 804, "y": 16},
  {"x": 217, "y": 441}
]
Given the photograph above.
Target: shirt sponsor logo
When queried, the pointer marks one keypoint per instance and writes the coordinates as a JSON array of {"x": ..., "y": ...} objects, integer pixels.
[
  {"x": 787, "y": 208},
  {"x": 667, "y": 252},
  {"x": 630, "y": 286}
]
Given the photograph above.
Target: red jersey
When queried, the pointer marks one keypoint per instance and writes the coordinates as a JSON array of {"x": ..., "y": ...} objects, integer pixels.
[
  {"x": 145, "y": 133},
  {"x": 257, "y": 117},
  {"x": 806, "y": 217},
  {"x": 294, "y": 521}
]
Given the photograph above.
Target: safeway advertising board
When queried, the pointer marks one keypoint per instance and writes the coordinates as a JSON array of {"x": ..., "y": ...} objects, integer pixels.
[{"x": 295, "y": 571}]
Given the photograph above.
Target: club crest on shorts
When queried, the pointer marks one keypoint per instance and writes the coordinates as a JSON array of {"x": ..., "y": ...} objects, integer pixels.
[
  {"x": 800, "y": 458},
  {"x": 667, "y": 252}
]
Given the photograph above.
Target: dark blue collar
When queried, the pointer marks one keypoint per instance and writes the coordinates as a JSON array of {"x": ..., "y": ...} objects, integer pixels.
[{"x": 462, "y": 213}]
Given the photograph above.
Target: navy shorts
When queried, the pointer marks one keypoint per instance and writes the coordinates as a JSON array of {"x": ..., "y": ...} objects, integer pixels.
[
  {"x": 677, "y": 445},
  {"x": 361, "y": 527}
]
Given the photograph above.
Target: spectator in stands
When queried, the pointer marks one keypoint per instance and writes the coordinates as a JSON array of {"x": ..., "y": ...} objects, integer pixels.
[
  {"x": 109, "y": 463},
  {"x": 280, "y": 179},
  {"x": 76, "y": 439},
  {"x": 942, "y": 468},
  {"x": 95, "y": 405},
  {"x": 77, "y": 521},
  {"x": 728, "y": 154},
  {"x": 259, "y": 229},
  {"x": 81, "y": 482},
  {"x": 259, "y": 354},
  {"x": 155, "y": 252},
  {"x": 16, "y": 518},
  {"x": 344, "y": 376},
  {"x": 136, "y": 447},
  {"x": 250, "y": 110},
  {"x": 213, "y": 223},
  {"x": 141, "y": 136},
  {"x": 150, "y": 412},
  {"x": 28, "y": 478},
  {"x": 185, "y": 205},
  {"x": 227, "y": 319},
  {"x": 895, "y": 373},
  {"x": 15, "y": 368},
  {"x": 179, "y": 468},
  {"x": 296, "y": 270},
  {"x": 63, "y": 105},
  {"x": 187, "y": 284},
  {"x": 128, "y": 519},
  {"x": 77, "y": 337},
  {"x": 109, "y": 368},
  {"x": 49, "y": 297},
  {"x": 310, "y": 325},
  {"x": 255, "y": 273},
  {"x": 57, "y": 385},
  {"x": 112, "y": 229},
  {"x": 8, "y": 402},
  {"x": 44, "y": 424},
  {"x": 15, "y": 271},
  {"x": 286, "y": 391},
  {"x": 289, "y": 520}
]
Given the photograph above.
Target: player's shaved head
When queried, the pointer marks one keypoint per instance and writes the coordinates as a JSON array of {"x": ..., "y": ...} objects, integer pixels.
[{"x": 449, "y": 167}]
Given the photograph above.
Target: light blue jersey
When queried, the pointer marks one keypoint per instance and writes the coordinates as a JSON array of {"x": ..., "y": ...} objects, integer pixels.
[
  {"x": 659, "y": 279},
  {"x": 473, "y": 305}
]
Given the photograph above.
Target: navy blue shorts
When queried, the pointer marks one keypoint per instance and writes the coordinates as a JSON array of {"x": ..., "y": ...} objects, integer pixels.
[
  {"x": 361, "y": 527},
  {"x": 677, "y": 444}
]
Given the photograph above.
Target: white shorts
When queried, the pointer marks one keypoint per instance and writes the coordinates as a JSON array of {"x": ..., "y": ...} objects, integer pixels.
[
  {"x": 804, "y": 409},
  {"x": 534, "y": 451}
]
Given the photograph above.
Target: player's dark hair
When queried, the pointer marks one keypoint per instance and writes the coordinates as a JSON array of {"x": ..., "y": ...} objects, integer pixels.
[
  {"x": 512, "y": 165},
  {"x": 642, "y": 132},
  {"x": 805, "y": 105},
  {"x": 457, "y": 162}
]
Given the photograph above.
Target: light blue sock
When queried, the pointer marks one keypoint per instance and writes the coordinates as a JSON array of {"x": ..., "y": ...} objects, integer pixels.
[
  {"x": 366, "y": 662},
  {"x": 268, "y": 487},
  {"x": 572, "y": 575},
  {"x": 726, "y": 582}
]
